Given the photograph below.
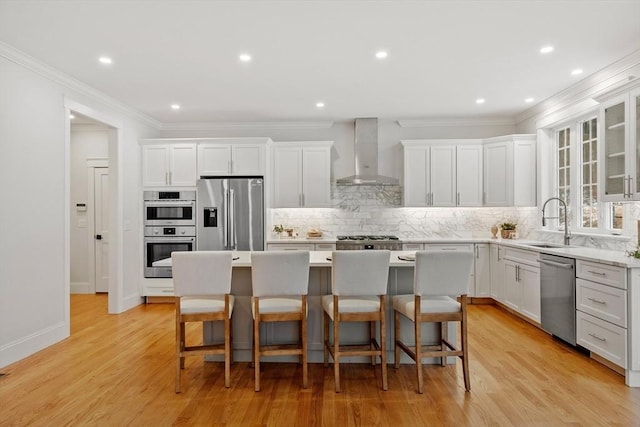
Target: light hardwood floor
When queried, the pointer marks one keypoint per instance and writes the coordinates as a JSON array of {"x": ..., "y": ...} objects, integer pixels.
[{"x": 119, "y": 370}]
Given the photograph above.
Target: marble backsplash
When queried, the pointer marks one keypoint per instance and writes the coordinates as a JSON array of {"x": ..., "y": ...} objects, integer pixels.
[{"x": 378, "y": 210}]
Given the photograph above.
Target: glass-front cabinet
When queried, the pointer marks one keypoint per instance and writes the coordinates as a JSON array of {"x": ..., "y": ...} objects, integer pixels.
[{"x": 620, "y": 134}]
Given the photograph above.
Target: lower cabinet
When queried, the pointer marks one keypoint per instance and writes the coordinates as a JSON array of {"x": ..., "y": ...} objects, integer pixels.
[
  {"x": 496, "y": 254},
  {"x": 482, "y": 271},
  {"x": 601, "y": 310},
  {"x": 522, "y": 282},
  {"x": 301, "y": 246}
]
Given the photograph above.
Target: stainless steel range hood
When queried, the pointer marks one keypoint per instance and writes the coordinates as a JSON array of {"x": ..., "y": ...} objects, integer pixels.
[{"x": 366, "y": 156}]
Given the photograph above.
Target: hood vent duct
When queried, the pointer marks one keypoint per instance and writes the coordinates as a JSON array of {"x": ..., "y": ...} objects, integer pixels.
[{"x": 366, "y": 156}]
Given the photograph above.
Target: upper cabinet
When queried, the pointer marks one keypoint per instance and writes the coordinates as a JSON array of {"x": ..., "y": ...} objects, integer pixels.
[
  {"x": 221, "y": 157},
  {"x": 442, "y": 173},
  {"x": 510, "y": 171},
  {"x": 302, "y": 174},
  {"x": 169, "y": 165},
  {"x": 620, "y": 148}
]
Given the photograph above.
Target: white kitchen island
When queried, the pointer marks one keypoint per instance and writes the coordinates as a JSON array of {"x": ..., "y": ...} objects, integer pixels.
[{"x": 400, "y": 282}]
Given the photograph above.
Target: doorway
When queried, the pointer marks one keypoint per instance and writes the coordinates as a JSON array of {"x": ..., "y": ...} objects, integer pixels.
[{"x": 99, "y": 239}]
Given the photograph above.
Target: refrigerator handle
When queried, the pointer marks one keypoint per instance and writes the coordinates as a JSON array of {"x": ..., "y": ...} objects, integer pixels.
[
  {"x": 225, "y": 232},
  {"x": 232, "y": 225}
]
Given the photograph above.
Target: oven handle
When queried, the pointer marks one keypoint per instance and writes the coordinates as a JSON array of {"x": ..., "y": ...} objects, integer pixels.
[
  {"x": 556, "y": 264},
  {"x": 169, "y": 239},
  {"x": 225, "y": 232},
  {"x": 170, "y": 204},
  {"x": 232, "y": 224}
]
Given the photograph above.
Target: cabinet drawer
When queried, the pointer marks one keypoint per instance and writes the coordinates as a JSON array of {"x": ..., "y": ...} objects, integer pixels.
[
  {"x": 518, "y": 255},
  {"x": 602, "y": 273},
  {"x": 290, "y": 246},
  {"x": 603, "y": 338},
  {"x": 412, "y": 246},
  {"x": 447, "y": 247},
  {"x": 325, "y": 247},
  {"x": 605, "y": 302}
]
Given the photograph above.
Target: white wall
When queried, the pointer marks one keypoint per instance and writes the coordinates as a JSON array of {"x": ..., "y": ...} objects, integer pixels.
[
  {"x": 85, "y": 144},
  {"x": 34, "y": 288}
]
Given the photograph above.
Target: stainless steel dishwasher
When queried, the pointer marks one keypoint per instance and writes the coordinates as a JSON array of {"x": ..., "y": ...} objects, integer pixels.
[{"x": 558, "y": 296}]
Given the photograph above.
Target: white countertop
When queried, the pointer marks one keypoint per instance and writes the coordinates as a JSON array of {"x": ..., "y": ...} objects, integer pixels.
[{"x": 316, "y": 259}]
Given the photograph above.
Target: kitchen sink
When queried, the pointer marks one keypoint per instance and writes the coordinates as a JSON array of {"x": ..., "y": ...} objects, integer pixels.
[{"x": 546, "y": 245}]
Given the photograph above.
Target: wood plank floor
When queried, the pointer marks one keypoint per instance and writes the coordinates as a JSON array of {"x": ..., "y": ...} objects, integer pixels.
[{"x": 118, "y": 370}]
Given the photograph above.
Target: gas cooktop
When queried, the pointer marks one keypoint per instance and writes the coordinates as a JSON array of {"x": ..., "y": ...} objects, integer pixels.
[{"x": 368, "y": 237}]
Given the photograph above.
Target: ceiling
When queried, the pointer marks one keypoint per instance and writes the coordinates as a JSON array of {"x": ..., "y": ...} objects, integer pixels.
[{"x": 442, "y": 55}]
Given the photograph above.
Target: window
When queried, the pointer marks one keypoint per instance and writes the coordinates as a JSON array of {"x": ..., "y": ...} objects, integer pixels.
[
  {"x": 564, "y": 171},
  {"x": 590, "y": 214}
]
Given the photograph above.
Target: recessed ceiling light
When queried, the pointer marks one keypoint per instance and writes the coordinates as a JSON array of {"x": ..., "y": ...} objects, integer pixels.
[
  {"x": 381, "y": 54},
  {"x": 71, "y": 116},
  {"x": 576, "y": 72},
  {"x": 105, "y": 60},
  {"x": 546, "y": 49},
  {"x": 320, "y": 104},
  {"x": 175, "y": 106},
  {"x": 528, "y": 100},
  {"x": 245, "y": 57},
  {"x": 480, "y": 101}
]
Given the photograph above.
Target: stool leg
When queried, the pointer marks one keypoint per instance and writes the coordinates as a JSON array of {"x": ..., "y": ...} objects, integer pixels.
[
  {"x": 326, "y": 339},
  {"x": 444, "y": 334},
  {"x": 336, "y": 343},
  {"x": 178, "y": 351},
  {"x": 303, "y": 331},
  {"x": 383, "y": 341},
  {"x": 227, "y": 352},
  {"x": 418, "y": 337},
  {"x": 396, "y": 338},
  {"x": 256, "y": 345},
  {"x": 463, "y": 344},
  {"x": 372, "y": 337}
]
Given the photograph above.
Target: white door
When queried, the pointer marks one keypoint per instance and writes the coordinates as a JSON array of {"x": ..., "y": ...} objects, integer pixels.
[
  {"x": 316, "y": 177},
  {"x": 287, "y": 177},
  {"x": 155, "y": 159},
  {"x": 469, "y": 175},
  {"x": 443, "y": 175},
  {"x": 416, "y": 169},
  {"x": 101, "y": 213},
  {"x": 182, "y": 172}
]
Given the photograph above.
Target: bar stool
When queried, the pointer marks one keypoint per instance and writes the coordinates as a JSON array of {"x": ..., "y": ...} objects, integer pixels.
[
  {"x": 202, "y": 286},
  {"x": 280, "y": 281},
  {"x": 438, "y": 276},
  {"x": 359, "y": 288}
]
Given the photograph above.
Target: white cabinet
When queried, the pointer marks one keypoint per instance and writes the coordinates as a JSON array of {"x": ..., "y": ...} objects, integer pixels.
[
  {"x": 302, "y": 174},
  {"x": 169, "y": 165},
  {"x": 412, "y": 246},
  {"x": 221, "y": 157},
  {"x": 482, "y": 271},
  {"x": 620, "y": 136},
  {"x": 522, "y": 282},
  {"x": 601, "y": 310},
  {"x": 497, "y": 272},
  {"x": 510, "y": 171},
  {"x": 442, "y": 173}
]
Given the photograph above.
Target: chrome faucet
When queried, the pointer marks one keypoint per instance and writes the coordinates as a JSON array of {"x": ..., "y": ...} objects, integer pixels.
[{"x": 567, "y": 237}]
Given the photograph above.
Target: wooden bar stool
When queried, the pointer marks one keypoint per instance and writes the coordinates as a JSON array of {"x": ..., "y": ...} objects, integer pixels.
[
  {"x": 437, "y": 277},
  {"x": 359, "y": 289},
  {"x": 280, "y": 281},
  {"x": 202, "y": 286}
]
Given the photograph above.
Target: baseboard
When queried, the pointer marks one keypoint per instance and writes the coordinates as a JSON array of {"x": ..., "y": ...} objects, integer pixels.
[
  {"x": 617, "y": 369},
  {"x": 132, "y": 301},
  {"x": 515, "y": 313},
  {"x": 26, "y": 346},
  {"x": 80, "y": 288}
]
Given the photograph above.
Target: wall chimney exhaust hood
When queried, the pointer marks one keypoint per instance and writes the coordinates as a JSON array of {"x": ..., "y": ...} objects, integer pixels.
[{"x": 366, "y": 156}]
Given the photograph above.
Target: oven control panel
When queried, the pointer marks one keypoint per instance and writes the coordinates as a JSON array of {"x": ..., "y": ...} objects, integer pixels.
[{"x": 169, "y": 231}]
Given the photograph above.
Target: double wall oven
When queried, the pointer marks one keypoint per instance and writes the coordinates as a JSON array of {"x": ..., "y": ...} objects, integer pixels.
[{"x": 169, "y": 226}]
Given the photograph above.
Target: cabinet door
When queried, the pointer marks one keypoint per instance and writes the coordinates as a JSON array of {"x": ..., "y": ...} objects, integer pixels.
[
  {"x": 287, "y": 177},
  {"x": 155, "y": 165},
  {"x": 247, "y": 159},
  {"x": 497, "y": 273},
  {"x": 498, "y": 171},
  {"x": 634, "y": 137},
  {"x": 529, "y": 278},
  {"x": 416, "y": 161},
  {"x": 469, "y": 175},
  {"x": 512, "y": 287},
  {"x": 524, "y": 172},
  {"x": 316, "y": 177},
  {"x": 482, "y": 271},
  {"x": 614, "y": 134},
  {"x": 442, "y": 175},
  {"x": 214, "y": 159},
  {"x": 182, "y": 172}
]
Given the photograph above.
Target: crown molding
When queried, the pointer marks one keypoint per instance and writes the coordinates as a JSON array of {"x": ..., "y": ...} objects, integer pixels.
[
  {"x": 438, "y": 122},
  {"x": 246, "y": 125},
  {"x": 613, "y": 75},
  {"x": 18, "y": 57}
]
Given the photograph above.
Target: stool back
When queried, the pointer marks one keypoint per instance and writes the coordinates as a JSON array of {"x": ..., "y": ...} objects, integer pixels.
[
  {"x": 442, "y": 273},
  {"x": 364, "y": 272},
  {"x": 280, "y": 273},
  {"x": 201, "y": 273}
]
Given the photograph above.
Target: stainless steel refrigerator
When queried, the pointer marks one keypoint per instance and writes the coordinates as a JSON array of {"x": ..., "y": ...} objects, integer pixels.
[{"x": 230, "y": 214}]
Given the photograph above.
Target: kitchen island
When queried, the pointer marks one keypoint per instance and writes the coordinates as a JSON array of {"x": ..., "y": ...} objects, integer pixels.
[{"x": 400, "y": 281}]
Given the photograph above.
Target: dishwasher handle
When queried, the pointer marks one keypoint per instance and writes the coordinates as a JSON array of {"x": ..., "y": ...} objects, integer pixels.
[{"x": 556, "y": 264}]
